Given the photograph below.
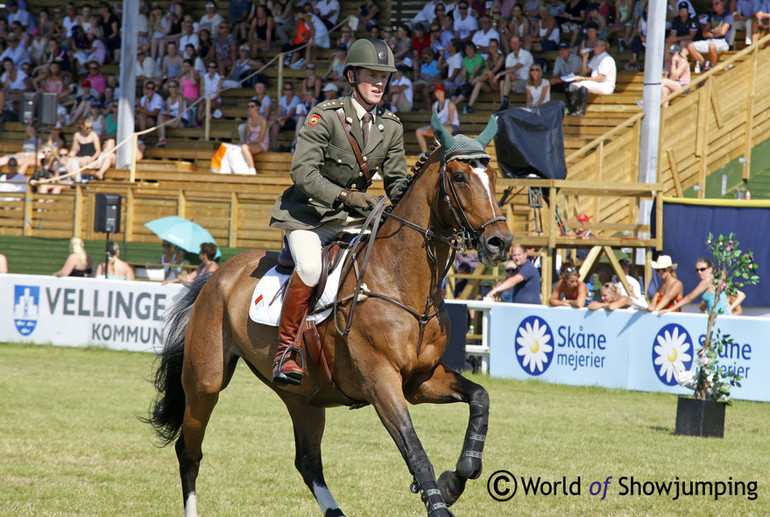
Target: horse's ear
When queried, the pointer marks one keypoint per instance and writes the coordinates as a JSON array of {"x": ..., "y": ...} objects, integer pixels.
[
  {"x": 442, "y": 135},
  {"x": 489, "y": 132}
]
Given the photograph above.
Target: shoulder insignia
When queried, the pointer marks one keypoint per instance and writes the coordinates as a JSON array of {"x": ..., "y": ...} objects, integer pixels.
[
  {"x": 313, "y": 120},
  {"x": 334, "y": 103},
  {"x": 388, "y": 115}
]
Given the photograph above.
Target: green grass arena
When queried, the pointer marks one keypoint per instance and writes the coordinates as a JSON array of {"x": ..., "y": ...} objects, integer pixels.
[{"x": 71, "y": 444}]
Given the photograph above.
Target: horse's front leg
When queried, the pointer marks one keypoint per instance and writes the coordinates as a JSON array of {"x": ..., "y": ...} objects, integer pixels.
[
  {"x": 388, "y": 400},
  {"x": 444, "y": 386}
]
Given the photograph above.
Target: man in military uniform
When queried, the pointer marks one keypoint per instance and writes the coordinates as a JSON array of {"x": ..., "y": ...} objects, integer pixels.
[{"x": 329, "y": 192}]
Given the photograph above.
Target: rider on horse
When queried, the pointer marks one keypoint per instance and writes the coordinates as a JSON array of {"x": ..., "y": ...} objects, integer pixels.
[{"x": 343, "y": 142}]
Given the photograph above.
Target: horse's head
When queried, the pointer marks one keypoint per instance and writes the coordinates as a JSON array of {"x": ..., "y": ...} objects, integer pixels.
[{"x": 467, "y": 186}]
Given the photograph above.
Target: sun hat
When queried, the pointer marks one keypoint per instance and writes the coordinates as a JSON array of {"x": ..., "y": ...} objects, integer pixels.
[
  {"x": 663, "y": 262},
  {"x": 330, "y": 87}
]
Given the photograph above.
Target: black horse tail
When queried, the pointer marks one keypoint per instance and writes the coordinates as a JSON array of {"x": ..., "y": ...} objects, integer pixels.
[{"x": 167, "y": 410}]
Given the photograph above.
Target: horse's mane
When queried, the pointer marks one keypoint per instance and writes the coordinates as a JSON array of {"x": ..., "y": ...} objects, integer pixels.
[{"x": 417, "y": 170}]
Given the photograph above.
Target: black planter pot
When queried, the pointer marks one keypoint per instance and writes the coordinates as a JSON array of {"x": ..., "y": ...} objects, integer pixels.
[{"x": 695, "y": 417}]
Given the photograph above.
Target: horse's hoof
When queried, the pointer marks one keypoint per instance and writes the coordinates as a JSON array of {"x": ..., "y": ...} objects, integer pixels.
[
  {"x": 334, "y": 512},
  {"x": 451, "y": 486},
  {"x": 469, "y": 467}
]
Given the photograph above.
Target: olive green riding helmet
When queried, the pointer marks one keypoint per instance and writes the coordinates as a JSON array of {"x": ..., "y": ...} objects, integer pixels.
[{"x": 373, "y": 54}]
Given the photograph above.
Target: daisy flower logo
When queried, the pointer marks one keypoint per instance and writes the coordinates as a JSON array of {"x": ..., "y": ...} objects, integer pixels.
[
  {"x": 534, "y": 345},
  {"x": 672, "y": 350}
]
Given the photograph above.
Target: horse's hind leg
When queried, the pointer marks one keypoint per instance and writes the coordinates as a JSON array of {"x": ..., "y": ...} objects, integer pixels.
[
  {"x": 309, "y": 422},
  {"x": 446, "y": 386},
  {"x": 388, "y": 400}
]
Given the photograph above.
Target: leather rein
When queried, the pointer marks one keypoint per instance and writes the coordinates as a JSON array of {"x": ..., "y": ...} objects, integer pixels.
[{"x": 464, "y": 236}]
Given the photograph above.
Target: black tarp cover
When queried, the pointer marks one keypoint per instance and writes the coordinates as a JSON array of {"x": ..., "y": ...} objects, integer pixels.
[{"x": 531, "y": 141}]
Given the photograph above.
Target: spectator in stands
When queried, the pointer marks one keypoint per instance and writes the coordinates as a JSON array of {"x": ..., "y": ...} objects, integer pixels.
[
  {"x": 238, "y": 17},
  {"x": 149, "y": 107},
  {"x": 52, "y": 81},
  {"x": 761, "y": 20},
  {"x": 566, "y": 63},
  {"x": 487, "y": 81},
  {"x": 601, "y": 81},
  {"x": 611, "y": 299},
  {"x": 211, "y": 19},
  {"x": 402, "y": 91},
  {"x": 13, "y": 180},
  {"x": 207, "y": 265},
  {"x": 368, "y": 14},
  {"x": 95, "y": 51},
  {"x": 111, "y": 120},
  {"x": 516, "y": 71},
  {"x": 336, "y": 66},
  {"x": 97, "y": 118},
  {"x": 538, "y": 88},
  {"x": 266, "y": 103},
  {"x": 569, "y": 290},
  {"x": 86, "y": 20},
  {"x": 427, "y": 76},
  {"x": 465, "y": 25},
  {"x": 158, "y": 27},
  {"x": 330, "y": 92},
  {"x": 546, "y": 33},
  {"x": 189, "y": 82},
  {"x": 14, "y": 83},
  {"x": 453, "y": 64},
  {"x": 50, "y": 168},
  {"x": 188, "y": 35},
  {"x": 303, "y": 31},
  {"x": 174, "y": 22},
  {"x": 26, "y": 158},
  {"x": 574, "y": 16},
  {"x": 447, "y": 114},
  {"x": 683, "y": 31},
  {"x": 328, "y": 11},
  {"x": 198, "y": 64},
  {"x": 286, "y": 118},
  {"x": 225, "y": 49},
  {"x": 57, "y": 53},
  {"x": 715, "y": 33},
  {"x": 174, "y": 107},
  {"x": 146, "y": 68},
  {"x": 142, "y": 27},
  {"x": 109, "y": 23},
  {"x": 78, "y": 263},
  {"x": 420, "y": 41},
  {"x": 70, "y": 19},
  {"x": 95, "y": 77},
  {"x": 116, "y": 268},
  {"x": 242, "y": 68},
  {"x": 678, "y": 72},
  {"x": 670, "y": 291},
  {"x": 428, "y": 12},
  {"x": 499, "y": 23},
  {"x": 705, "y": 270},
  {"x": 403, "y": 51},
  {"x": 56, "y": 138},
  {"x": 532, "y": 10},
  {"x": 636, "y": 289},
  {"x": 211, "y": 88},
  {"x": 346, "y": 37},
  {"x": 312, "y": 83},
  {"x": 482, "y": 37},
  {"x": 255, "y": 135},
  {"x": 3, "y": 264},
  {"x": 473, "y": 67},
  {"x": 261, "y": 30},
  {"x": 172, "y": 259},
  {"x": 16, "y": 51},
  {"x": 37, "y": 47},
  {"x": 638, "y": 44},
  {"x": 522, "y": 282}
]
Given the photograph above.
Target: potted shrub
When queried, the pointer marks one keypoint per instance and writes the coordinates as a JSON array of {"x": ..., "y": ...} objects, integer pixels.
[{"x": 704, "y": 413}]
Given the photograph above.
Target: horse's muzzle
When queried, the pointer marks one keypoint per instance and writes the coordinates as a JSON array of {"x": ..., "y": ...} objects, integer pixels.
[{"x": 494, "y": 244}]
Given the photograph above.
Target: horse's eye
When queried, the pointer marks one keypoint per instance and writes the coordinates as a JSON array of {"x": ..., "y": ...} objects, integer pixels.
[{"x": 459, "y": 177}]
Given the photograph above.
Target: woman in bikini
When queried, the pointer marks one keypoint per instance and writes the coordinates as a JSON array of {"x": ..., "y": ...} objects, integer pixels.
[
  {"x": 670, "y": 291},
  {"x": 569, "y": 290}
]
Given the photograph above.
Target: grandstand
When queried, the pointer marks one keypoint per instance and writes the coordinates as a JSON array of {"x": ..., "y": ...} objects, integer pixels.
[{"x": 720, "y": 118}]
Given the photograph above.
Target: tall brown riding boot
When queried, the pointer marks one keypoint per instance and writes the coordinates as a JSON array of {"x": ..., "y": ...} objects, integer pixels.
[{"x": 286, "y": 370}]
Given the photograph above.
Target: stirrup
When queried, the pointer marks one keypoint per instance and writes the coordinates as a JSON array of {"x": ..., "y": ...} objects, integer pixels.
[{"x": 292, "y": 378}]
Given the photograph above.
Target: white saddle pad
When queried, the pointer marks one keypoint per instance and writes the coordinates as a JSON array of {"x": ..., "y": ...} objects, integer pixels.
[{"x": 265, "y": 308}]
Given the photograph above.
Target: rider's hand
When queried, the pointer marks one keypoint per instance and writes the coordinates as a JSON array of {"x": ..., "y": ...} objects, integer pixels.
[{"x": 355, "y": 199}]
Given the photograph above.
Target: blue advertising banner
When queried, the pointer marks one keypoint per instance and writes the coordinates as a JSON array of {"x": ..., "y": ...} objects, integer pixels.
[{"x": 621, "y": 349}]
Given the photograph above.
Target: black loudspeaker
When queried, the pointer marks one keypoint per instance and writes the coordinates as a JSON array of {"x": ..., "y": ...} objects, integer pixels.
[
  {"x": 28, "y": 105},
  {"x": 47, "y": 105},
  {"x": 107, "y": 213}
]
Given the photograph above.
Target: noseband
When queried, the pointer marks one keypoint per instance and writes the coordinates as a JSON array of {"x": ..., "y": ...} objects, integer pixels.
[{"x": 465, "y": 232}]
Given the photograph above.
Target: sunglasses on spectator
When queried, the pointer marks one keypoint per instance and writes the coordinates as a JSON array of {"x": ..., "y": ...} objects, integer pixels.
[
  {"x": 149, "y": 87},
  {"x": 63, "y": 155},
  {"x": 93, "y": 68},
  {"x": 212, "y": 67},
  {"x": 701, "y": 269},
  {"x": 510, "y": 270},
  {"x": 287, "y": 88},
  {"x": 252, "y": 105}
]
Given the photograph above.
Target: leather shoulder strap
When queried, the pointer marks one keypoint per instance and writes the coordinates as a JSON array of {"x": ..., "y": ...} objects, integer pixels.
[{"x": 356, "y": 148}]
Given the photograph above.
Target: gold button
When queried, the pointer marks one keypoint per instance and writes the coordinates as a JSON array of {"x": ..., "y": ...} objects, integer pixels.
[
  {"x": 364, "y": 158},
  {"x": 360, "y": 174},
  {"x": 339, "y": 160},
  {"x": 349, "y": 120},
  {"x": 381, "y": 127}
]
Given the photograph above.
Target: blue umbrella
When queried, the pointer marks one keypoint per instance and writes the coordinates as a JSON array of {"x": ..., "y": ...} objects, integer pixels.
[{"x": 183, "y": 233}]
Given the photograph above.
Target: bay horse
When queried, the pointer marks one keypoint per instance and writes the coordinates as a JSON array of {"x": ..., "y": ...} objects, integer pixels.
[{"x": 388, "y": 355}]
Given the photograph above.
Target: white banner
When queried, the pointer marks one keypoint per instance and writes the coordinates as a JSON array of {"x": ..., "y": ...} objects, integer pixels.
[{"x": 117, "y": 314}]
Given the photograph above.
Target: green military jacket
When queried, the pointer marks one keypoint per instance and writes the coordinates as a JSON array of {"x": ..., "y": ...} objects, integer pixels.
[{"x": 324, "y": 163}]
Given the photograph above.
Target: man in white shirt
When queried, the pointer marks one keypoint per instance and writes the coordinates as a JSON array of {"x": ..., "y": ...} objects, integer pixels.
[
  {"x": 17, "y": 14},
  {"x": 402, "y": 91},
  {"x": 454, "y": 63},
  {"x": 482, "y": 36},
  {"x": 601, "y": 81},
  {"x": 17, "y": 181},
  {"x": 633, "y": 283},
  {"x": 328, "y": 11},
  {"x": 428, "y": 13},
  {"x": 211, "y": 19},
  {"x": 517, "y": 65},
  {"x": 150, "y": 106},
  {"x": 188, "y": 34},
  {"x": 465, "y": 25}
]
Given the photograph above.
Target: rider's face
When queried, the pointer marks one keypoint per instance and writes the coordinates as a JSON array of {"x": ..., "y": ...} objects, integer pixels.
[{"x": 371, "y": 85}]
